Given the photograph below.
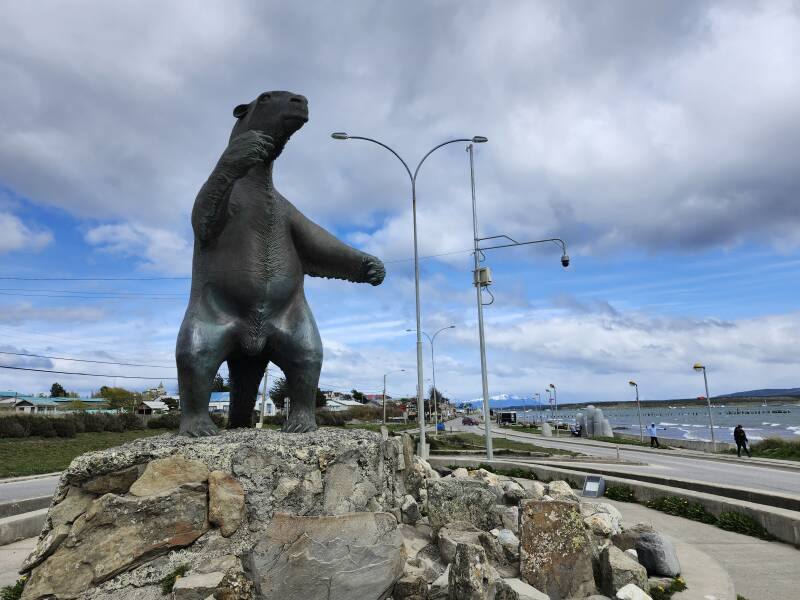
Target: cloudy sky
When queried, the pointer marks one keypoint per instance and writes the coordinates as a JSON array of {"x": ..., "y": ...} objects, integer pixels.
[{"x": 659, "y": 139}]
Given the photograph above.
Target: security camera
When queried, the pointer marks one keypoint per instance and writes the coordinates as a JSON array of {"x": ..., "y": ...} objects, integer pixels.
[{"x": 565, "y": 261}]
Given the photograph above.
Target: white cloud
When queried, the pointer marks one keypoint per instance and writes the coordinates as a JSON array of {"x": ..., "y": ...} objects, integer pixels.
[
  {"x": 162, "y": 251},
  {"x": 16, "y": 235}
]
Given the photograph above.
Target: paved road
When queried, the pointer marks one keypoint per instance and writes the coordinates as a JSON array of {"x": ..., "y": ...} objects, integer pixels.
[
  {"x": 683, "y": 467},
  {"x": 28, "y": 488}
]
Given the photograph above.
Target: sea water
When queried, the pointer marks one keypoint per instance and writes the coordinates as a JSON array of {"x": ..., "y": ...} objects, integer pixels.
[{"x": 691, "y": 423}]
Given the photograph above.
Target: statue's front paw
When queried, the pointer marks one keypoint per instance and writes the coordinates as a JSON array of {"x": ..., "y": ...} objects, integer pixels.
[{"x": 374, "y": 271}]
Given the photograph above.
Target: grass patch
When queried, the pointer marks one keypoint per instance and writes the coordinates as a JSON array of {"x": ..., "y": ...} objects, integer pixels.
[
  {"x": 624, "y": 441},
  {"x": 741, "y": 523},
  {"x": 665, "y": 593},
  {"x": 169, "y": 581},
  {"x": 13, "y": 592},
  {"x": 32, "y": 456},
  {"x": 673, "y": 505},
  {"x": 775, "y": 448},
  {"x": 621, "y": 493},
  {"x": 472, "y": 441}
]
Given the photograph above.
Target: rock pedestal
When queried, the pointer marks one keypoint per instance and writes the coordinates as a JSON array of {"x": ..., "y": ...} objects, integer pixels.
[{"x": 254, "y": 501}]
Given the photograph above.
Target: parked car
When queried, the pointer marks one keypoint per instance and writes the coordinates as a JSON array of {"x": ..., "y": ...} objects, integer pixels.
[{"x": 469, "y": 421}]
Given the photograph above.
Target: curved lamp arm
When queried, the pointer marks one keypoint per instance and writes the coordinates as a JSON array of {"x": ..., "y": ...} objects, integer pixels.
[{"x": 389, "y": 148}]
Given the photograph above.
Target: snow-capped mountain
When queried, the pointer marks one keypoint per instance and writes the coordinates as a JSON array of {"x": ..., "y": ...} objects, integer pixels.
[{"x": 506, "y": 401}]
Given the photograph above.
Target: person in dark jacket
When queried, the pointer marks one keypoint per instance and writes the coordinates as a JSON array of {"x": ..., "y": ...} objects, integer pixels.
[{"x": 740, "y": 437}]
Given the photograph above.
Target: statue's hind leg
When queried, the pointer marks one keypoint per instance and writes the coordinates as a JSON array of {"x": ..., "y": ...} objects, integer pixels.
[
  {"x": 201, "y": 348},
  {"x": 246, "y": 373},
  {"x": 297, "y": 350}
]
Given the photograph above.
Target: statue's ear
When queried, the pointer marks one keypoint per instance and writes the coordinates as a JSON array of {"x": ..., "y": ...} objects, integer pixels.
[{"x": 240, "y": 110}]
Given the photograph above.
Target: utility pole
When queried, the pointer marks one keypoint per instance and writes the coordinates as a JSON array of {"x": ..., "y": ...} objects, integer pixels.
[{"x": 264, "y": 396}]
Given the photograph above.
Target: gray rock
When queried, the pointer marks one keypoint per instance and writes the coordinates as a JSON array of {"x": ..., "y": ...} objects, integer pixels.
[
  {"x": 657, "y": 554},
  {"x": 509, "y": 542},
  {"x": 560, "y": 490},
  {"x": 460, "y": 473},
  {"x": 515, "y": 589},
  {"x": 414, "y": 539},
  {"x": 165, "y": 474},
  {"x": 116, "y": 482},
  {"x": 410, "y": 510},
  {"x": 632, "y": 592},
  {"x": 456, "y": 533},
  {"x": 116, "y": 534},
  {"x": 225, "y": 502},
  {"x": 439, "y": 588},
  {"x": 197, "y": 586},
  {"x": 410, "y": 587},
  {"x": 602, "y": 518},
  {"x": 626, "y": 539},
  {"x": 534, "y": 490},
  {"x": 547, "y": 430},
  {"x": 510, "y": 518},
  {"x": 471, "y": 576},
  {"x": 618, "y": 569},
  {"x": 461, "y": 500},
  {"x": 513, "y": 492},
  {"x": 335, "y": 557},
  {"x": 72, "y": 506},
  {"x": 555, "y": 550}
]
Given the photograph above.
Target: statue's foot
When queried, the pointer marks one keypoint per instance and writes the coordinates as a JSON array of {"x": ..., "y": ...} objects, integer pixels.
[
  {"x": 300, "y": 422},
  {"x": 197, "y": 425}
]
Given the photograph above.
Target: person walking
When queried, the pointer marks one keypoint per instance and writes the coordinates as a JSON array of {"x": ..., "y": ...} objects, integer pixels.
[
  {"x": 653, "y": 431},
  {"x": 740, "y": 437}
]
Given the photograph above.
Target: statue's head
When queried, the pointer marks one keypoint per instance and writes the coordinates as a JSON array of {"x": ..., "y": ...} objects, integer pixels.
[{"x": 278, "y": 114}]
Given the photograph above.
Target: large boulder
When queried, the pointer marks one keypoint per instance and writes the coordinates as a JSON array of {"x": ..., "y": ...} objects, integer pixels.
[
  {"x": 555, "y": 550},
  {"x": 467, "y": 500},
  {"x": 180, "y": 503},
  {"x": 336, "y": 558},
  {"x": 561, "y": 490},
  {"x": 632, "y": 592},
  {"x": 602, "y": 518},
  {"x": 618, "y": 569},
  {"x": 657, "y": 554},
  {"x": 516, "y": 589},
  {"x": 116, "y": 534},
  {"x": 471, "y": 576}
]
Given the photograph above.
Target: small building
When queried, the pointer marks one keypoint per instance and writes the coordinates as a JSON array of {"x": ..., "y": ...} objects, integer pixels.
[
  {"x": 220, "y": 402},
  {"x": 152, "y": 407},
  {"x": 341, "y": 405},
  {"x": 39, "y": 406}
]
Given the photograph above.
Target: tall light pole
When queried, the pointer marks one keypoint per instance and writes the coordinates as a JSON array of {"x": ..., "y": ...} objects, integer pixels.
[
  {"x": 701, "y": 367},
  {"x": 431, "y": 339},
  {"x": 538, "y": 400},
  {"x": 384, "y": 391},
  {"x": 339, "y": 135},
  {"x": 639, "y": 408},
  {"x": 555, "y": 404}
]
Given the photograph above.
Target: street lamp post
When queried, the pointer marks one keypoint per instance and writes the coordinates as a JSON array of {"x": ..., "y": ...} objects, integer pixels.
[
  {"x": 384, "y": 391},
  {"x": 431, "y": 339},
  {"x": 339, "y": 135},
  {"x": 555, "y": 405},
  {"x": 639, "y": 408},
  {"x": 538, "y": 401},
  {"x": 701, "y": 367}
]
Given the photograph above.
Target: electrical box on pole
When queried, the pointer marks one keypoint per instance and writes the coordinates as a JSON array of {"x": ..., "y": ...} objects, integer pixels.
[{"x": 482, "y": 276}]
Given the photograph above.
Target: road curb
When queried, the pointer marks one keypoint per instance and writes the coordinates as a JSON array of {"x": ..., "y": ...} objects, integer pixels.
[
  {"x": 18, "y": 507},
  {"x": 28, "y": 477},
  {"x": 20, "y": 527}
]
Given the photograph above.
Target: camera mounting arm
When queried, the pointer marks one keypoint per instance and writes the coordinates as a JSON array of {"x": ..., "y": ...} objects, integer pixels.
[{"x": 558, "y": 241}]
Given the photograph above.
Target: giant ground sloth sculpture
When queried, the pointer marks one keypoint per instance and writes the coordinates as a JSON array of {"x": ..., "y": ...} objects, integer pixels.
[{"x": 252, "y": 250}]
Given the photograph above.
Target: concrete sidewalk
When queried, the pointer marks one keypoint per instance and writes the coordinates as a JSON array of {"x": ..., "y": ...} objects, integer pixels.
[
  {"x": 759, "y": 570},
  {"x": 11, "y": 557}
]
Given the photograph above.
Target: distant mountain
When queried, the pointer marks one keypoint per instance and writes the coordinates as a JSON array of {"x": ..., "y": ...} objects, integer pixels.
[
  {"x": 506, "y": 401},
  {"x": 766, "y": 393}
]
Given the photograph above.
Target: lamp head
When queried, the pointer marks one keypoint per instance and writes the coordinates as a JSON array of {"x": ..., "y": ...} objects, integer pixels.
[
  {"x": 340, "y": 135},
  {"x": 552, "y": 386},
  {"x": 565, "y": 260},
  {"x": 479, "y": 139},
  {"x": 632, "y": 383},
  {"x": 699, "y": 367}
]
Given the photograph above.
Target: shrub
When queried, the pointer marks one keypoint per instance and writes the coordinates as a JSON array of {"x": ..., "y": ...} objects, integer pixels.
[
  {"x": 65, "y": 427},
  {"x": 10, "y": 427},
  {"x": 274, "y": 420},
  {"x": 622, "y": 493},
  {"x": 14, "y": 592},
  {"x": 169, "y": 581},
  {"x": 113, "y": 423},
  {"x": 680, "y": 507},
  {"x": 130, "y": 421},
  {"x": 741, "y": 523},
  {"x": 219, "y": 420},
  {"x": 92, "y": 423},
  {"x": 327, "y": 418},
  {"x": 170, "y": 420},
  {"x": 42, "y": 427}
]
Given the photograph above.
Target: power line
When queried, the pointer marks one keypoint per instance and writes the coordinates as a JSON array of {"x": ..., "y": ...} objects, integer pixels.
[
  {"x": 106, "y": 375},
  {"x": 86, "y": 360},
  {"x": 11, "y": 278}
]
